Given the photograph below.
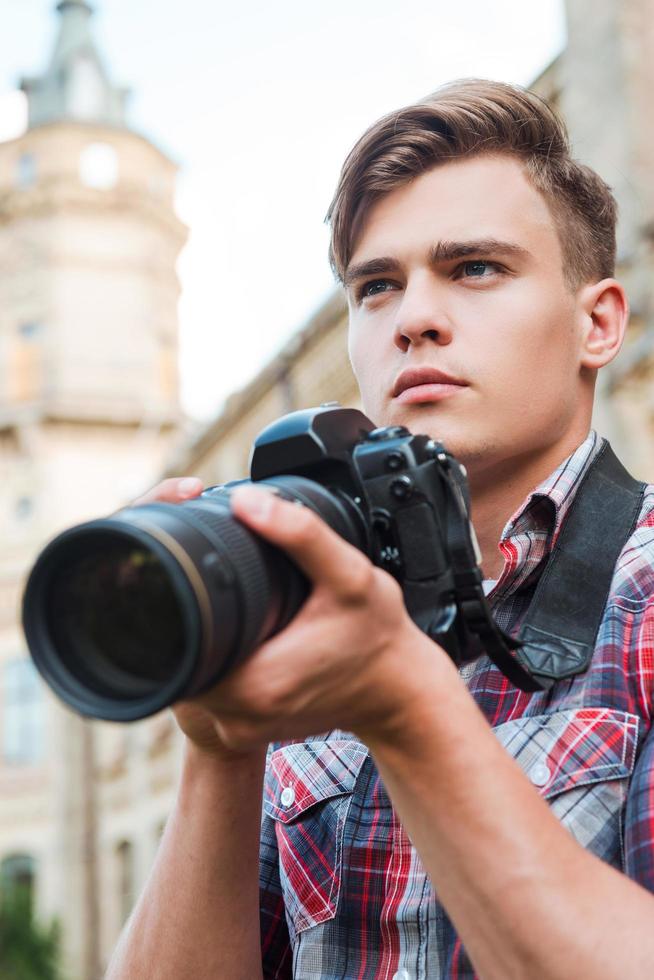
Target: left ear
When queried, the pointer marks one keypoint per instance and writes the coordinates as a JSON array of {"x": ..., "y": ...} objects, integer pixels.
[{"x": 605, "y": 312}]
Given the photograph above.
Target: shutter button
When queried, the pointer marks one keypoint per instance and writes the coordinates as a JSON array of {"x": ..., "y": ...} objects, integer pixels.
[
  {"x": 540, "y": 774},
  {"x": 288, "y": 796}
]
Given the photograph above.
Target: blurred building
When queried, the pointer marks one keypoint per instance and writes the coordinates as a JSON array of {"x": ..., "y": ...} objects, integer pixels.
[
  {"x": 88, "y": 405},
  {"x": 88, "y": 240}
]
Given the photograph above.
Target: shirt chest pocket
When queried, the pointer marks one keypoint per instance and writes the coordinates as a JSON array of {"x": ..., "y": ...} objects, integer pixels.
[
  {"x": 308, "y": 793},
  {"x": 581, "y": 761}
]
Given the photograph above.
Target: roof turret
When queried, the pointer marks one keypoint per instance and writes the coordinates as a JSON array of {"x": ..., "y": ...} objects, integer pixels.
[{"x": 75, "y": 84}]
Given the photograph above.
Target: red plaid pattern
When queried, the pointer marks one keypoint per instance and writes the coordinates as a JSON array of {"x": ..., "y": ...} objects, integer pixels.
[{"x": 343, "y": 892}]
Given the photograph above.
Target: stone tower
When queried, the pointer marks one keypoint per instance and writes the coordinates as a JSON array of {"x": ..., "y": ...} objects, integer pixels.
[{"x": 88, "y": 406}]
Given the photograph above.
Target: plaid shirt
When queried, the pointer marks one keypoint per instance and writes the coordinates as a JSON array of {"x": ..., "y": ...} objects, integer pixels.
[{"x": 343, "y": 892}]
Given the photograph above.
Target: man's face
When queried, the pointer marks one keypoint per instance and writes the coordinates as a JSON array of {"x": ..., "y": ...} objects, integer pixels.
[{"x": 461, "y": 323}]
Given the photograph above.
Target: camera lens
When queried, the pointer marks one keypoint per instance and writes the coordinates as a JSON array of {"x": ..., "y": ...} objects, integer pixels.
[
  {"x": 115, "y": 614},
  {"x": 126, "y": 615},
  {"x": 112, "y": 621}
]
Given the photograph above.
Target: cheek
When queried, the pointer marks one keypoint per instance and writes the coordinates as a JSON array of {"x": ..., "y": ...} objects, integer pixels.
[
  {"x": 524, "y": 358},
  {"x": 534, "y": 336},
  {"x": 370, "y": 368},
  {"x": 553, "y": 350},
  {"x": 362, "y": 352},
  {"x": 354, "y": 352}
]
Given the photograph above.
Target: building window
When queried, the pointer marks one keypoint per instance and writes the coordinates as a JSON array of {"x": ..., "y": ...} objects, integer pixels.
[
  {"x": 24, "y": 508},
  {"x": 125, "y": 867},
  {"x": 22, "y": 714},
  {"x": 17, "y": 878},
  {"x": 29, "y": 330},
  {"x": 26, "y": 171},
  {"x": 26, "y": 370},
  {"x": 98, "y": 166}
]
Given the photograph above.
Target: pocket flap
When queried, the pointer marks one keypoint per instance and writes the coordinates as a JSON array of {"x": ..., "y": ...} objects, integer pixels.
[
  {"x": 566, "y": 749},
  {"x": 303, "y": 774}
]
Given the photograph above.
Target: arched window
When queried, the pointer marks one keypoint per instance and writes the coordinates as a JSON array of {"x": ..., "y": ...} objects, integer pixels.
[
  {"x": 125, "y": 868},
  {"x": 98, "y": 166},
  {"x": 17, "y": 878}
]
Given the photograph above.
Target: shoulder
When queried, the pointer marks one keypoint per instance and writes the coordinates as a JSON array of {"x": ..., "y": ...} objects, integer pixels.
[{"x": 633, "y": 579}]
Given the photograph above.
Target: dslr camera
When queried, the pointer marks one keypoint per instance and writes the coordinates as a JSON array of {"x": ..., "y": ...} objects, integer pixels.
[{"x": 128, "y": 614}]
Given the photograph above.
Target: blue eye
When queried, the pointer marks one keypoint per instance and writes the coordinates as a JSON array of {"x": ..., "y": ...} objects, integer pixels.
[
  {"x": 476, "y": 269},
  {"x": 374, "y": 287}
]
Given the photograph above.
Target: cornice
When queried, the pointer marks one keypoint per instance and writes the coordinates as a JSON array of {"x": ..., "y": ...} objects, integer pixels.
[
  {"x": 68, "y": 195},
  {"x": 94, "y": 132}
]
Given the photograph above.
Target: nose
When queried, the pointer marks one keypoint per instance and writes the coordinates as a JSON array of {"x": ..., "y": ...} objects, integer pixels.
[{"x": 421, "y": 318}]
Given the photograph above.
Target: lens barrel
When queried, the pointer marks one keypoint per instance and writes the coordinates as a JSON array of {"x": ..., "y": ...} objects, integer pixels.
[{"x": 127, "y": 615}]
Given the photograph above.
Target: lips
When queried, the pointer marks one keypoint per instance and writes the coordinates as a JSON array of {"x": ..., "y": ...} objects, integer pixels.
[{"x": 418, "y": 377}]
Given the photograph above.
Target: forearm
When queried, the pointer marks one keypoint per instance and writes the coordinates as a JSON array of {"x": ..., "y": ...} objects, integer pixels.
[
  {"x": 199, "y": 912},
  {"x": 526, "y": 899}
]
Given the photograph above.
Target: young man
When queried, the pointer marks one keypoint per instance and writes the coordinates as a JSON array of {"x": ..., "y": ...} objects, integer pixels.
[{"x": 465, "y": 828}]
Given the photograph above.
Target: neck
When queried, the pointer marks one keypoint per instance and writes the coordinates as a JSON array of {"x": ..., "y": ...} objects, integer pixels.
[{"x": 498, "y": 491}]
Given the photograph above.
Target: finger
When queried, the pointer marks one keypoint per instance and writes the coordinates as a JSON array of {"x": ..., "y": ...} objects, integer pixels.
[
  {"x": 321, "y": 553},
  {"x": 172, "y": 491}
]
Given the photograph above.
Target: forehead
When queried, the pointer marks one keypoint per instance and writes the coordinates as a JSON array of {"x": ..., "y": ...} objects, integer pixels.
[{"x": 482, "y": 197}]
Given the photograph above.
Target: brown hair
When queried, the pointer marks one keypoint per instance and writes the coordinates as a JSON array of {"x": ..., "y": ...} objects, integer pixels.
[{"x": 468, "y": 118}]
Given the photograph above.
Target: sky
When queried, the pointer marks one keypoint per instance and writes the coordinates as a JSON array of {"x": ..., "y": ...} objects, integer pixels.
[{"x": 259, "y": 103}]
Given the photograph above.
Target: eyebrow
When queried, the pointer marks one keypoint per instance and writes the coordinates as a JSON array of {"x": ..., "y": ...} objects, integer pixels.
[{"x": 444, "y": 251}]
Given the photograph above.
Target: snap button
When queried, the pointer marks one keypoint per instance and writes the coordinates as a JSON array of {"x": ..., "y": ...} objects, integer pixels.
[
  {"x": 288, "y": 796},
  {"x": 402, "y": 975},
  {"x": 540, "y": 774}
]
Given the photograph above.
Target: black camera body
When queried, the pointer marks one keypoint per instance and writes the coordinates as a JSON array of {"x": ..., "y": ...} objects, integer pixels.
[
  {"x": 126, "y": 615},
  {"x": 403, "y": 490}
]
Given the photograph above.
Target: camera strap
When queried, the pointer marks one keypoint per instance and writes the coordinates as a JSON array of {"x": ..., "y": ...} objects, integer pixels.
[
  {"x": 476, "y": 616},
  {"x": 557, "y": 636}
]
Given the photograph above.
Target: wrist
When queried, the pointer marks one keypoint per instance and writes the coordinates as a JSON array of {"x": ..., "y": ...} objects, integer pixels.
[
  {"x": 220, "y": 762},
  {"x": 417, "y": 683}
]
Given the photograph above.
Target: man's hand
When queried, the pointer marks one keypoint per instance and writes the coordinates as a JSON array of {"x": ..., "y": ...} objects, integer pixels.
[
  {"x": 344, "y": 661},
  {"x": 175, "y": 490}
]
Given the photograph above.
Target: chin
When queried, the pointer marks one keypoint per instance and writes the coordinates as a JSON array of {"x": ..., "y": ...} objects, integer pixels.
[
  {"x": 465, "y": 439},
  {"x": 423, "y": 419}
]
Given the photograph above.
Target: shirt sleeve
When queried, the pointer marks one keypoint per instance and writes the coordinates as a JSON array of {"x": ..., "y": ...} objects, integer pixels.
[
  {"x": 276, "y": 952},
  {"x": 639, "y": 820},
  {"x": 639, "y": 816}
]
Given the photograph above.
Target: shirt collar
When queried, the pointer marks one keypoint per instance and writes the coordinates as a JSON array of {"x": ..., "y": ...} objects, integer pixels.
[
  {"x": 559, "y": 488},
  {"x": 531, "y": 532}
]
